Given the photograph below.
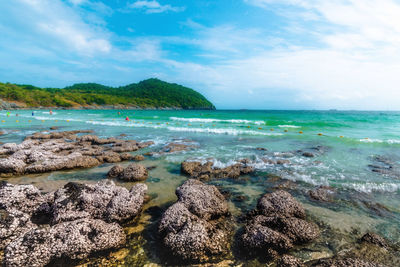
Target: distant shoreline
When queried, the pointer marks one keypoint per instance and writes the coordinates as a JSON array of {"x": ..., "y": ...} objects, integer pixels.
[{"x": 101, "y": 108}]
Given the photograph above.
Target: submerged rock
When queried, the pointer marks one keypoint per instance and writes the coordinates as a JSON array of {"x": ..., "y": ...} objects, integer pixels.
[
  {"x": 375, "y": 239},
  {"x": 348, "y": 262},
  {"x": 277, "y": 225},
  {"x": 207, "y": 170},
  {"x": 195, "y": 228},
  {"x": 322, "y": 193},
  {"x": 289, "y": 261}
]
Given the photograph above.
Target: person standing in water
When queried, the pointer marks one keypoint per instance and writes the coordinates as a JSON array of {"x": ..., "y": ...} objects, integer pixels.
[
  {"x": 51, "y": 112},
  {"x": 33, "y": 113},
  {"x": 8, "y": 113},
  {"x": 127, "y": 118}
]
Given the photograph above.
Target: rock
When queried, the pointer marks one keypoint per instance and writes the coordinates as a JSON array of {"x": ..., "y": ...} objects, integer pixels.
[
  {"x": 195, "y": 228},
  {"x": 115, "y": 171},
  {"x": 13, "y": 223},
  {"x": 72, "y": 222},
  {"x": 138, "y": 158},
  {"x": 126, "y": 146},
  {"x": 258, "y": 236},
  {"x": 308, "y": 155},
  {"x": 203, "y": 200},
  {"x": 349, "y": 262},
  {"x": 103, "y": 200},
  {"x": 261, "y": 149},
  {"x": 126, "y": 156},
  {"x": 280, "y": 203},
  {"x": 74, "y": 240},
  {"x": 177, "y": 147},
  {"x": 298, "y": 230},
  {"x": 322, "y": 193},
  {"x": 24, "y": 198},
  {"x": 110, "y": 157},
  {"x": 205, "y": 171},
  {"x": 289, "y": 261},
  {"x": 276, "y": 225},
  {"x": 46, "y": 152},
  {"x": 134, "y": 172},
  {"x": 54, "y": 128},
  {"x": 375, "y": 239}
]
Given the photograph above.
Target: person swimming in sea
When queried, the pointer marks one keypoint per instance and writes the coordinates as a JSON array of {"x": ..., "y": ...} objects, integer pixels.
[
  {"x": 8, "y": 113},
  {"x": 51, "y": 112},
  {"x": 119, "y": 113},
  {"x": 127, "y": 118}
]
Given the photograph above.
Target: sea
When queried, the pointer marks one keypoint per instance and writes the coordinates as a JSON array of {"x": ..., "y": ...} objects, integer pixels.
[{"x": 355, "y": 153}]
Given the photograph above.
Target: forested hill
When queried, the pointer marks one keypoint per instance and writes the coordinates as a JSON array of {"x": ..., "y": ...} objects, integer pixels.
[{"x": 151, "y": 93}]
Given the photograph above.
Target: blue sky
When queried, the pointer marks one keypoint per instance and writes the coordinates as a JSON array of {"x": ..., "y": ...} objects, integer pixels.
[{"x": 256, "y": 54}]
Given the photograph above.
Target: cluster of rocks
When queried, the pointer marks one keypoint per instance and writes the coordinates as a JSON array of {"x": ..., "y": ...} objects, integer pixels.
[
  {"x": 45, "y": 152},
  {"x": 72, "y": 222},
  {"x": 133, "y": 172},
  {"x": 277, "y": 225},
  {"x": 207, "y": 170},
  {"x": 197, "y": 227}
]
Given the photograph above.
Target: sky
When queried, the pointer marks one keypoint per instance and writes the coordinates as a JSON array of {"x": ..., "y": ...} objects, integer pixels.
[{"x": 254, "y": 54}]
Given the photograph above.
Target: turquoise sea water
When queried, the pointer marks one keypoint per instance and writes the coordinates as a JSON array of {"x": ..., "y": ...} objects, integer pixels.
[
  {"x": 230, "y": 135},
  {"x": 351, "y": 145}
]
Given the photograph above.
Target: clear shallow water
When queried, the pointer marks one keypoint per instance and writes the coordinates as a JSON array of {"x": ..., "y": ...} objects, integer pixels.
[{"x": 350, "y": 142}]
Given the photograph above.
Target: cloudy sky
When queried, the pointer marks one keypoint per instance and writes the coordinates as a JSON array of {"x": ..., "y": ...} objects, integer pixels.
[{"x": 256, "y": 54}]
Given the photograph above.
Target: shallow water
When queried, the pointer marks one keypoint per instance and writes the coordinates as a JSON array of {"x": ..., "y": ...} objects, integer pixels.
[{"x": 366, "y": 200}]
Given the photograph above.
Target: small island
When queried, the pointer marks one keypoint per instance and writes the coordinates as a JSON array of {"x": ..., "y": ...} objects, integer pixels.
[{"x": 148, "y": 94}]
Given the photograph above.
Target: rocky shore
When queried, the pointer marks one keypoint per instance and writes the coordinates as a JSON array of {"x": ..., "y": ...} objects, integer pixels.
[
  {"x": 81, "y": 221},
  {"x": 46, "y": 152}
]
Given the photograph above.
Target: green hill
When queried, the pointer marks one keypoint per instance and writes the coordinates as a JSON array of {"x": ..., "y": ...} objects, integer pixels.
[{"x": 151, "y": 93}]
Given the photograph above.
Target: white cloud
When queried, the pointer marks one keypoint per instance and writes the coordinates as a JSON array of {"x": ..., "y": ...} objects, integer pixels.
[
  {"x": 349, "y": 57},
  {"x": 153, "y": 6},
  {"x": 56, "y": 26}
]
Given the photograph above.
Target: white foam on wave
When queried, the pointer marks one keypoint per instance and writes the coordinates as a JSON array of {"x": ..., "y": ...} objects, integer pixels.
[
  {"x": 221, "y": 131},
  {"x": 289, "y": 126},
  {"x": 125, "y": 124},
  {"x": 226, "y": 131},
  {"x": 369, "y": 140},
  {"x": 216, "y": 120},
  {"x": 379, "y": 141},
  {"x": 374, "y": 187}
]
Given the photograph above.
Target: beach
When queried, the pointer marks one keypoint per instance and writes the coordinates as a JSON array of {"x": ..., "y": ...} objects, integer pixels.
[{"x": 341, "y": 166}]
